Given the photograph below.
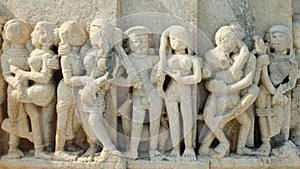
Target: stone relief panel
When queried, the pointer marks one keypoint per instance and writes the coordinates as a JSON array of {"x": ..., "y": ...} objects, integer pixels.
[{"x": 149, "y": 93}]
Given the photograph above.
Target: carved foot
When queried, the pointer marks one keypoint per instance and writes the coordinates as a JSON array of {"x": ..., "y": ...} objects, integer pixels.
[
  {"x": 14, "y": 153},
  {"x": 204, "y": 150},
  {"x": 42, "y": 155},
  {"x": 174, "y": 155},
  {"x": 63, "y": 156},
  {"x": 220, "y": 151},
  {"x": 72, "y": 148},
  {"x": 105, "y": 155},
  {"x": 132, "y": 155},
  {"x": 155, "y": 155},
  {"x": 289, "y": 149},
  {"x": 245, "y": 151},
  {"x": 88, "y": 156},
  {"x": 189, "y": 155},
  {"x": 264, "y": 149}
]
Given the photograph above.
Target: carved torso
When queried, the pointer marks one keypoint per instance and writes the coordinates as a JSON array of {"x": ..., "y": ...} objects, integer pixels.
[
  {"x": 180, "y": 63},
  {"x": 144, "y": 65},
  {"x": 279, "y": 68}
]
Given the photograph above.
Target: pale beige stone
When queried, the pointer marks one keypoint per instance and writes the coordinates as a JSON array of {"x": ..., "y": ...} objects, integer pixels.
[
  {"x": 185, "y": 72},
  {"x": 16, "y": 49},
  {"x": 267, "y": 13},
  {"x": 232, "y": 91},
  {"x": 274, "y": 99},
  {"x": 59, "y": 11},
  {"x": 72, "y": 37}
]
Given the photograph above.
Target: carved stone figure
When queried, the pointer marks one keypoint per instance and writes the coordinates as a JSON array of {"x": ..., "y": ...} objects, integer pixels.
[
  {"x": 184, "y": 71},
  {"x": 96, "y": 82},
  {"x": 145, "y": 97},
  {"x": 16, "y": 36},
  {"x": 72, "y": 36},
  {"x": 233, "y": 69},
  {"x": 295, "y": 113},
  {"x": 278, "y": 78},
  {"x": 42, "y": 92}
]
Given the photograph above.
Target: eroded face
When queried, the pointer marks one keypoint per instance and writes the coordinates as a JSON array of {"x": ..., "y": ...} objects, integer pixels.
[
  {"x": 138, "y": 42},
  {"x": 42, "y": 36},
  {"x": 176, "y": 44},
  {"x": 17, "y": 33},
  {"x": 95, "y": 35},
  {"x": 100, "y": 37},
  {"x": 279, "y": 41},
  {"x": 89, "y": 64},
  {"x": 103, "y": 64}
]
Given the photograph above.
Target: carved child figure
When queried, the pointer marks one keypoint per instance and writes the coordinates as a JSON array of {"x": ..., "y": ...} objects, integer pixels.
[
  {"x": 73, "y": 36},
  {"x": 277, "y": 79},
  {"x": 93, "y": 97}
]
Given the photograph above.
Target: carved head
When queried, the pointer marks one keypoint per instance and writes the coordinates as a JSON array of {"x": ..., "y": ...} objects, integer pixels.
[
  {"x": 229, "y": 37},
  {"x": 103, "y": 64},
  {"x": 280, "y": 38},
  {"x": 44, "y": 35},
  {"x": 138, "y": 38},
  {"x": 16, "y": 32},
  {"x": 296, "y": 33},
  {"x": 179, "y": 38},
  {"x": 101, "y": 33},
  {"x": 89, "y": 63},
  {"x": 2, "y": 22},
  {"x": 71, "y": 33}
]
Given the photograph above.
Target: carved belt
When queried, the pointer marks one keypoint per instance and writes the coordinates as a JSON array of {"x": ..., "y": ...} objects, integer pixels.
[{"x": 277, "y": 111}]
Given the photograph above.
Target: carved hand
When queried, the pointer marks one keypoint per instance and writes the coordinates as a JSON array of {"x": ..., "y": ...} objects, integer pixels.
[
  {"x": 53, "y": 64},
  {"x": 263, "y": 60},
  {"x": 176, "y": 75},
  {"x": 16, "y": 71},
  {"x": 13, "y": 69},
  {"x": 63, "y": 48},
  {"x": 160, "y": 76},
  {"x": 137, "y": 82},
  {"x": 279, "y": 98}
]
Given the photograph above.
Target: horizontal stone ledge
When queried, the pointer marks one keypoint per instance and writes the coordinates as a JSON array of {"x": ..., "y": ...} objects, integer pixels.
[{"x": 231, "y": 162}]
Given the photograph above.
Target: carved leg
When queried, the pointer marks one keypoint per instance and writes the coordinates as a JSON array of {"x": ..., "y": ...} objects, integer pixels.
[
  {"x": 206, "y": 142},
  {"x": 206, "y": 138},
  {"x": 88, "y": 156},
  {"x": 245, "y": 125},
  {"x": 36, "y": 125},
  {"x": 155, "y": 112},
  {"x": 60, "y": 137},
  {"x": 96, "y": 123},
  {"x": 174, "y": 122},
  {"x": 138, "y": 118},
  {"x": 265, "y": 148},
  {"x": 13, "y": 152},
  {"x": 12, "y": 110},
  {"x": 49, "y": 125},
  {"x": 188, "y": 122}
]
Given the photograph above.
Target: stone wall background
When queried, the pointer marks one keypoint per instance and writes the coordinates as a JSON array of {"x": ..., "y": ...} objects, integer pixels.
[{"x": 201, "y": 17}]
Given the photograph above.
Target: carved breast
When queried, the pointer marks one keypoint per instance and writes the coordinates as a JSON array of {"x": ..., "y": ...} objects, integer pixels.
[
  {"x": 180, "y": 62},
  {"x": 279, "y": 68}
]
